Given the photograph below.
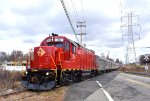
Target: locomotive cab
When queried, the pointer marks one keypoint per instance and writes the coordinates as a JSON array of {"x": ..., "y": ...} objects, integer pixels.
[{"x": 46, "y": 67}]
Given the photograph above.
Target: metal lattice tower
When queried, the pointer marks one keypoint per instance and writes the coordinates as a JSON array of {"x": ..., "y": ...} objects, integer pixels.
[{"x": 130, "y": 48}]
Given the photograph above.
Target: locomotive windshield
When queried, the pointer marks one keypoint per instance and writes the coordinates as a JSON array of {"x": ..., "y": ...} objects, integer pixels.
[
  {"x": 59, "y": 45},
  {"x": 57, "y": 42}
]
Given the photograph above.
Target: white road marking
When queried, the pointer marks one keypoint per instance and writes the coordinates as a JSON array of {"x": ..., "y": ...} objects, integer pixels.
[{"x": 105, "y": 92}]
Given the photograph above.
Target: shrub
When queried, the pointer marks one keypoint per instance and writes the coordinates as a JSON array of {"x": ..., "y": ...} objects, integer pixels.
[{"x": 8, "y": 79}]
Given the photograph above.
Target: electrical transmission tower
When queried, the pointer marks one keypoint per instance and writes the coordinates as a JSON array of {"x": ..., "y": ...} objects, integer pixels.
[
  {"x": 82, "y": 27},
  {"x": 130, "y": 51}
]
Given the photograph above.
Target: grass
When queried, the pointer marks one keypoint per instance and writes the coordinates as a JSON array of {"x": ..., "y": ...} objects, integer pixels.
[
  {"x": 54, "y": 92},
  {"x": 9, "y": 79},
  {"x": 134, "y": 68}
]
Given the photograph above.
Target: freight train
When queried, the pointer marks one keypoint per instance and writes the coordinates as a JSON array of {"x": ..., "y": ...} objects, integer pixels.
[{"x": 61, "y": 61}]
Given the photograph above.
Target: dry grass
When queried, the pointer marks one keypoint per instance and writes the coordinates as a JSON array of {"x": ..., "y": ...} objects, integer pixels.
[
  {"x": 134, "y": 68},
  {"x": 9, "y": 79},
  {"x": 56, "y": 94}
]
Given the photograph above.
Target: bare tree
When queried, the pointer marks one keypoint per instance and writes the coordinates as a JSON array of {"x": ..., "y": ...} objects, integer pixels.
[
  {"x": 3, "y": 56},
  {"x": 117, "y": 60},
  {"x": 142, "y": 59},
  {"x": 16, "y": 55}
]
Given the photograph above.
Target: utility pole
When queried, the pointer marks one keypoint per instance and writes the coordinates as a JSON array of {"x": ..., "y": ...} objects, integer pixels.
[
  {"x": 130, "y": 51},
  {"x": 82, "y": 27}
]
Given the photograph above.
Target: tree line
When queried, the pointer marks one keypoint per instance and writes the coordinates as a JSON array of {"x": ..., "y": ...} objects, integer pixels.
[
  {"x": 143, "y": 59},
  {"x": 18, "y": 55},
  {"x": 15, "y": 55}
]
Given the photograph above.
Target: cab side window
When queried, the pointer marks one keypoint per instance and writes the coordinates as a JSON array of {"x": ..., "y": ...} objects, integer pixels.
[
  {"x": 67, "y": 46},
  {"x": 73, "y": 48},
  {"x": 67, "y": 50}
]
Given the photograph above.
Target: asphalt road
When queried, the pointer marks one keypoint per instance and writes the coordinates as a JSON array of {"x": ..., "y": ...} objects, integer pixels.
[{"x": 120, "y": 86}]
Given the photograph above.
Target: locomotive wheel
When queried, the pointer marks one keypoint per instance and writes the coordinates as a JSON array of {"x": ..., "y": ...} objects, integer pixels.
[
  {"x": 92, "y": 74},
  {"x": 78, "y": 77},
  {"x": 67, "y": 79}
]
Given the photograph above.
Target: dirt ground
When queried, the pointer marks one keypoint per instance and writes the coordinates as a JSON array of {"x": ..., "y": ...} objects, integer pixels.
[
  {"x": 134, "y": 68},
  {"x": 11, "y": 83},
  {"x": 56, "y": 94}
]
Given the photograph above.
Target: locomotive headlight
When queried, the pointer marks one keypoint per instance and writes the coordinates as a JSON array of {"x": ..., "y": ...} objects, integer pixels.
[
  {"x": 26, "y": 72},
  {"x": 47, "y": 73}
]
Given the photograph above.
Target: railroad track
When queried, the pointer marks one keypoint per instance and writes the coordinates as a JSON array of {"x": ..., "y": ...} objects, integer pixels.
[
  {"x": 12, "y": 92},
  {"x": 27, "y": 93}
]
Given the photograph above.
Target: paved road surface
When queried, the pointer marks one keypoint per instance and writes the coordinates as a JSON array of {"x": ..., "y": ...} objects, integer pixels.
[{"x": 120, "y": 86}]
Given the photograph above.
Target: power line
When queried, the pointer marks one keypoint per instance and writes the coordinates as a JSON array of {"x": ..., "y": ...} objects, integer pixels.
[
  {"x": 68, "y": 17},
  {"x": 94, "y": 45},
  {"x": 142, "y": 47},
  {"x": 75, "y": 10},
  {"x": 53, "y": 5},
  {"x": 82, "y": 25},
  {"x": 120, "y": 6},
  {"x": 142, "y": 12},
  {"x": 82, "y": 11},
  {"x": 146, "y": 3},
  {"x": 147, "y": 18}
]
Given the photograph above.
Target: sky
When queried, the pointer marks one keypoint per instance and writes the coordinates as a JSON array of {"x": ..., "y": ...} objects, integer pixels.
[{"x": 25, "y": 23}]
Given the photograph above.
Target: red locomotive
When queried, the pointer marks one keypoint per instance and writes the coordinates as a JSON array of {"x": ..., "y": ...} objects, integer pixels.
[{"x": 58, "y": 61}]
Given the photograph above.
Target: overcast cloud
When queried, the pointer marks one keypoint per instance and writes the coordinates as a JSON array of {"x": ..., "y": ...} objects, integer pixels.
[{"x": 25, "y": 23}]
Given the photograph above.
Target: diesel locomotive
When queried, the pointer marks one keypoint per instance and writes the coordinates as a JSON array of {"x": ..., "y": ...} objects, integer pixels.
[{"x": 61, "y": 61}]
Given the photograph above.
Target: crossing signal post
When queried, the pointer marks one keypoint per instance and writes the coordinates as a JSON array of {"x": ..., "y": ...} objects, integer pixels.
[{"x": 146, "y": 64}]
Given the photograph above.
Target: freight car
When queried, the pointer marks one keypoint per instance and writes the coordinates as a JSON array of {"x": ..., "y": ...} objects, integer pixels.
[{"x": 60, "y": 61}]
